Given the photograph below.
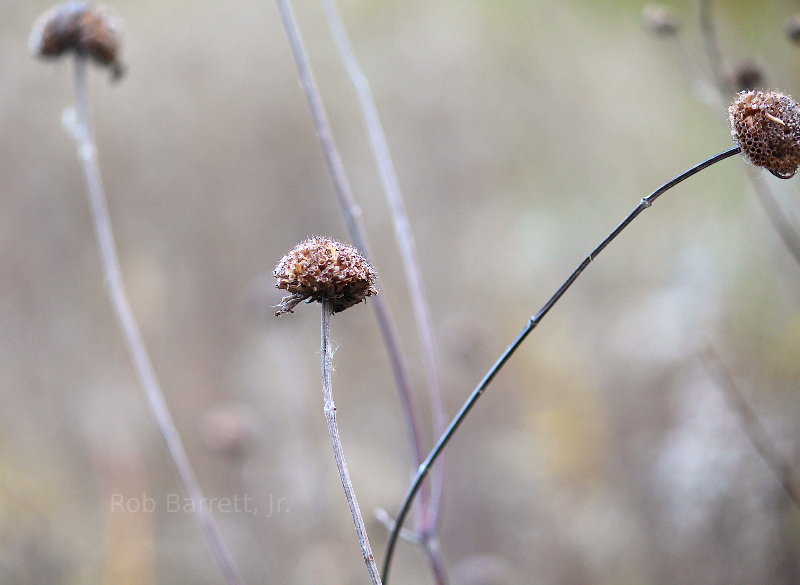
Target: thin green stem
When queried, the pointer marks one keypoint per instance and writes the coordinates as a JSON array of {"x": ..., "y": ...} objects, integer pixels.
[
  {"x": 338, "y": 453},
  {"x": 645, "y": 203},
  {"x": 87, "y": 153}
]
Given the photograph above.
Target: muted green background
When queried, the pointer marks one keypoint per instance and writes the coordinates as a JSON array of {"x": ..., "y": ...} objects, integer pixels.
[{"x": 522, "y": 133}]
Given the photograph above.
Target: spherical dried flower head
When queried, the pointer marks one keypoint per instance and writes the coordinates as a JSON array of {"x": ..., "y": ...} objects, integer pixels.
[
  {"x": 659, "y": 20},
  {"x": 321, "y": 269},
  {"x": 766, "y": 126},
  {"x": 83, "y": 28}
]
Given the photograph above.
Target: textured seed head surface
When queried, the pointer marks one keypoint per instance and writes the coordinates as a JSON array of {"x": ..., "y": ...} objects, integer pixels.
[
  {"x": 321, "y": 269},
  {"x": 83, "y": 28},
  {"x": 766, "y": 126}
]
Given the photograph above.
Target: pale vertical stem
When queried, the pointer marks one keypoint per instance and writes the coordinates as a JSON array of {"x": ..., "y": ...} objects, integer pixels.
[
  {"x": 708, "y": 31},
  {"x": 406, "y": 246},
  {"x": 752, "y": 427},
  {"x": 352, "y": 217},
  {"x": 766, "y": 197},
  {"x": 336, "y": 442},
  {"x": 87, "y": 153},
  {"x": 777, "y": 216}
]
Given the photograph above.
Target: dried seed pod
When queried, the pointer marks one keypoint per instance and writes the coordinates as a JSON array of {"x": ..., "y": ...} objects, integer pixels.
[
  {"x": 321, "y": 269},
  {"x": 83, "y": 28},
  {"x": 766, "y": 126},
  {"x": 659, "y": 20}
]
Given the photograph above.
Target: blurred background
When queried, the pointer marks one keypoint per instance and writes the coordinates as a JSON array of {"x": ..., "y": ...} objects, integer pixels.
[{"x": 523, "y": 131}]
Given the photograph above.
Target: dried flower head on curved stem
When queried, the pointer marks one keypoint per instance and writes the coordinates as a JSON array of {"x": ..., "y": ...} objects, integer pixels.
[
  {"x": 83, "y": 28},
  {"x": 766, "y": 126}
]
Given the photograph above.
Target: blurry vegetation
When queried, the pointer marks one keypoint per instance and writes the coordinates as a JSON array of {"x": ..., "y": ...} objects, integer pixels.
[{"x": 522, "y": 131}]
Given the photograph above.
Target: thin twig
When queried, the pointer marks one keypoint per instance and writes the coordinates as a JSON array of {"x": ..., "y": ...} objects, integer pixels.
[
  {"x": 406, "y": 246},
  {"x": 529, "y": 326},
  {"x": 87, "y": 153},
  {"x": 766, "y": 197},
  {"x": 777, "y": 217},
  {"x": 708, "y": 31},
  {"x": 336, "y": 442},
  {"x": 750, "y": 424},
  {"x": 352, "y": 217}
]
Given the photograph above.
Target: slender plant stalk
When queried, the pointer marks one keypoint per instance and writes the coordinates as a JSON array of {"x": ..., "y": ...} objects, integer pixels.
[
  {"x": 87, "y": 153},
  {"x": 750, "y": 424},
  {"x": 352, "y": 216},
  {"x": 777, "y": 216},
  {"x": 766, "y": 197},
  {"x": 712, "y": 47},
  {"x": 703, "y": 82},
  {"x": 408, "y": 253},
  {"x": 336, "y": 442},
  {"x": 424, "y": 468}
]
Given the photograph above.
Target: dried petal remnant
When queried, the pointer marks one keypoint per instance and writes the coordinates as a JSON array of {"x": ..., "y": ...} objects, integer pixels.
[
  {"x": 83, "y": 28},
  {"x": 321, "y": 269},
  {"x": 766, "y": 126}
]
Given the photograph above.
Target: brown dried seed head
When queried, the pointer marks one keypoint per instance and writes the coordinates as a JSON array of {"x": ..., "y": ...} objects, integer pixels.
[
  {"x": 83, "y": 28},
  {"x": 321, "y": 269},
  {"x": 766, "y": 126},
  {"x": 746, "y": 76},
  {"x": 658, "y": 19}
]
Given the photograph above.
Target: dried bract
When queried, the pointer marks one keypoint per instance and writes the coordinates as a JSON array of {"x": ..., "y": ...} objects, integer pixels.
[
  {"x": 766, "y": 126},
  {"x": 659, "y": 20},
  {"x": 321, "y": 269},
  {"x": 80, "y": 27}
]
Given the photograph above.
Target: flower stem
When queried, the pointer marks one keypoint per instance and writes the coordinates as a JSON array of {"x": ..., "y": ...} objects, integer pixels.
[
  {"x": 336, "y": 442},
  {"x": 424, "y": 468},
  {"x": 751, "y": 425},
  {"x": 429, "y": 511},
  {"x": 87, "y": 153},
  {"x": 352, "y": 217}
]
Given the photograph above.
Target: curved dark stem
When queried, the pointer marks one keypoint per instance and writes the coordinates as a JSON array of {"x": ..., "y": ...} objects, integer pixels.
[{"x": 529, "y": 326}]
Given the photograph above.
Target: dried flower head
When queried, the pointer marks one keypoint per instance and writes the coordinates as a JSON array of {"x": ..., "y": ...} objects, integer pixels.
[
  {"x": 659, "y": 20},
  {"x": 746, "y": 76},
  {"x": 321, "y": 269},
  {"x": 793, "y": 28},
  {"x": 766, "y": 126},
  {"x": 83, "y": 28}
]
